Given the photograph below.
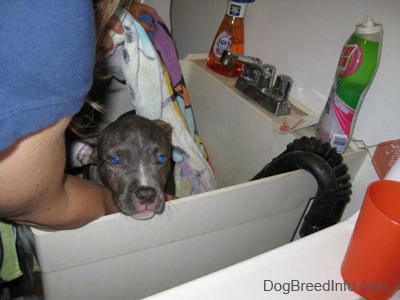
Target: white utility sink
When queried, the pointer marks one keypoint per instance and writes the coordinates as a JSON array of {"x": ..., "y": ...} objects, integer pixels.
[{"x": 116, "y": 257}]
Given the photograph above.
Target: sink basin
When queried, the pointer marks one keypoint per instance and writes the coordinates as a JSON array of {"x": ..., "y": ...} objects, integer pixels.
[{"x": 116, "y": 257}]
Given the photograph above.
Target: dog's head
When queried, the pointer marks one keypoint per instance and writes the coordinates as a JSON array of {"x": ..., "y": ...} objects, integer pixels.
[{"x": 133, "y": 159}]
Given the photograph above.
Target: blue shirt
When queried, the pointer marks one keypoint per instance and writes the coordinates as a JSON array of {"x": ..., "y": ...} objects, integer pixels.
[{"x": 47, "y": 52}]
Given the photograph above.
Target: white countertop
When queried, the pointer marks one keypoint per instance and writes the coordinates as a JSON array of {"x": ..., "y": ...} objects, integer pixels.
[{"x": 308, "y": 268}]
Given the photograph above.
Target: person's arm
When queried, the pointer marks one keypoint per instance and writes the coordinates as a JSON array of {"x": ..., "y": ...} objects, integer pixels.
[{"x": 35, "y": 191}]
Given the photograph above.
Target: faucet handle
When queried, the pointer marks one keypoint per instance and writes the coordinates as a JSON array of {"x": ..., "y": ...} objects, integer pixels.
[
  {"x": 265, "y": 78},
  {"x": 251, "y": 70},
  {"x": 282, "y": 87}
]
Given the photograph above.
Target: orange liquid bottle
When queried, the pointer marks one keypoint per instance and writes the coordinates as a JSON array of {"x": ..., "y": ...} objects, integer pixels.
[{"x": 230, "y": 36}]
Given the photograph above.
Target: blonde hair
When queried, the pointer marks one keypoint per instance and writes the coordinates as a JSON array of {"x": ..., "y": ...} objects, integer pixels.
[{"x": 82, "y": 122}]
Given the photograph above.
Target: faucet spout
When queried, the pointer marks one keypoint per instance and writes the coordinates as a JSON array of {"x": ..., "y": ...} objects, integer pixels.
[{"x": 229, "y": 57}]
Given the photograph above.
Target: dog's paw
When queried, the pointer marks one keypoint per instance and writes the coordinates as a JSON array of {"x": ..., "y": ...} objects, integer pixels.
[{"x": 81, "y": 152}]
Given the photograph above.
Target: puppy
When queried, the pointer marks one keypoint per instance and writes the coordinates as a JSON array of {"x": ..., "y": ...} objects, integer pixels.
[{"x": 131, "y": 157}]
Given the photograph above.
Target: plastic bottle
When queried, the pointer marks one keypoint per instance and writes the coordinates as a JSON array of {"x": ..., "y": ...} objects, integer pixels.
[
  {"x": 230, "y": 36},
  {"x": 356, "y": 69}
]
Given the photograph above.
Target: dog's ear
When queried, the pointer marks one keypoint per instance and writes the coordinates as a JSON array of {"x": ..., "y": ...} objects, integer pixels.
[
  {"x": 83, "y": 152},
  {"x": 166, "y": 126}
]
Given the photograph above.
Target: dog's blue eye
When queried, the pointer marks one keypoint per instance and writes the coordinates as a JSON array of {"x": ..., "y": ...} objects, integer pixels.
[
  {"x": 161, "y": 159},
  {"x": 115, "y": 160}
]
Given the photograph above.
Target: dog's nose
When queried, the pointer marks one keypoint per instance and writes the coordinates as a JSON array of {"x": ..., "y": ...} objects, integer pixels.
[{"x": 146, "y": 195}]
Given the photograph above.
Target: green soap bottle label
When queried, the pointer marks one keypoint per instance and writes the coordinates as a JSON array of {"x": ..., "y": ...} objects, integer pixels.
[{"x": 356, "y": 69}]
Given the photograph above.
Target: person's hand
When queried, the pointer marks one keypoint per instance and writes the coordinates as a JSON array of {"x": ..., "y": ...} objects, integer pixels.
[{"x": 105, "y": 46}]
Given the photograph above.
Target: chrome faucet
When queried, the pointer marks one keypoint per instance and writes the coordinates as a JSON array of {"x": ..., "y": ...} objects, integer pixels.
[
  {"x": 256, "y": 82},
  {"x": 229, "y": 57}
]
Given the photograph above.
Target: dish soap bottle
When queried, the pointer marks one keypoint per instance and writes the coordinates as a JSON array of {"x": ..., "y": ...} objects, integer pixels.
[
  {"x": 356, "y": 69},
  {"x": 230, "y": 36}
]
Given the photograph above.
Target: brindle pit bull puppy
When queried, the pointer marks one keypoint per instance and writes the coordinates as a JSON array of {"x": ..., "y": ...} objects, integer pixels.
[{"x": 132, "y": 157}]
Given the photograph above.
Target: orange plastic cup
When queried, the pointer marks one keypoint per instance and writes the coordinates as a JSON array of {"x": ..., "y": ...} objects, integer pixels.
[{"x": 371, "y": 266}]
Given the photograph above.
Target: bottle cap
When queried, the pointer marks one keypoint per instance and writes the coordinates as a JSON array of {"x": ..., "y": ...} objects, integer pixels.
[{"x": 369, "y": 26}]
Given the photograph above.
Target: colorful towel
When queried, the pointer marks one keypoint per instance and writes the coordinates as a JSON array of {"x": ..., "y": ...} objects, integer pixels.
[
  {"x": 137, "y": 62},
  {"x": 164, "y": 44}
]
